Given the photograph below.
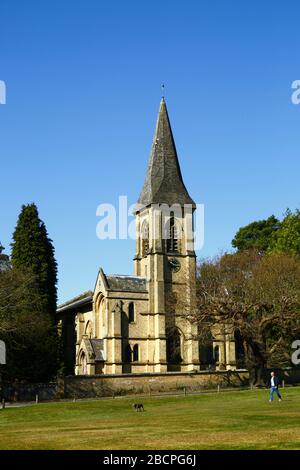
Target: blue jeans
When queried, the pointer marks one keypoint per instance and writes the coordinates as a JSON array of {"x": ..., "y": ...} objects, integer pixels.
[{"x": 274, "y": 389}]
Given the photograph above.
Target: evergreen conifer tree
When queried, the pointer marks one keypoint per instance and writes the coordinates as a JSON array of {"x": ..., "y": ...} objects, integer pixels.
[
  {"x": 36, "y": 355},
  {"x": 32, "y": 251}
]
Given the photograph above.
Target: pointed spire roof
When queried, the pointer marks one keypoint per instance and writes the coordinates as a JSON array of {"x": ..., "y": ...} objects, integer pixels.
[{"x": 163, "y": 182}]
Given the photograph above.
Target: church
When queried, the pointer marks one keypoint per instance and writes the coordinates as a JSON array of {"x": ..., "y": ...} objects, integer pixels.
[{"x": 139, "y": 323}]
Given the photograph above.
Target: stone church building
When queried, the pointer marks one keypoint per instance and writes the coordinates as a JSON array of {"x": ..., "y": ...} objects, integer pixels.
[{"x": 138, "y": 323}]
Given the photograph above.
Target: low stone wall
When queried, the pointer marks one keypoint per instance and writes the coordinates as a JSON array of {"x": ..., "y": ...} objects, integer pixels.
[
  {"x": 27, "y": 392},
  {"x": 81, "y": 386}
]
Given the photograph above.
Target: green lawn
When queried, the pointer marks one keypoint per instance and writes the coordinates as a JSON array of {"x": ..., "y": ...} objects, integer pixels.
[{"x": 228, "y": 420}]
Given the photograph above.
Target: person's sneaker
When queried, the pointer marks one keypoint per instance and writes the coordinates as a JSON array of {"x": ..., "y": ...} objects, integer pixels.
[
  {"x": 270, "y": 401},
  {"x": 279, "y": 399}
]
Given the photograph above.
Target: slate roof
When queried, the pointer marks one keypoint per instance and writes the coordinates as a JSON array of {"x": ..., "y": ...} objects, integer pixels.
[
  {"x": 163, "y": 182},
  {"x": 94, "y": 348},
  {"x": 117, "y": 282},
  {"x": 76, "y": 302},
  {"x": 98, "y": 348}
]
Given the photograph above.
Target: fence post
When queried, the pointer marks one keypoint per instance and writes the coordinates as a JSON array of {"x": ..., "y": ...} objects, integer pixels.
[
  {"x": 3, "y": 403},
  {"x": 184, "y": 391},
  {"x": 149, "y": 390},
  {"x": 36, "y": 398},
  {"x": 283, "y": 383},
  {"x": 218, "y": 388}
]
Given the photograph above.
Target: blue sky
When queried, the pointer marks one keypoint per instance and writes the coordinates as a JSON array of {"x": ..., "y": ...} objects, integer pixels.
[{"x": 83, "y": 89}]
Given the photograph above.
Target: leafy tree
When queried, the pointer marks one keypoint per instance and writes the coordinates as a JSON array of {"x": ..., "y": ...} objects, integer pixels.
[
  {"x": 256, "y": 296},
  {"x": 29, "y": 334},
  {"x": 287, "y": 239},
  {"x": 4, "y": 259},
  {"x": 257, "y": 235},
  {"x": 32, "y": 251}
]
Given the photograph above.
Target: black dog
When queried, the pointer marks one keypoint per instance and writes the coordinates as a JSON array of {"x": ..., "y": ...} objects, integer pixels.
[{"x": 138, "y": 407}]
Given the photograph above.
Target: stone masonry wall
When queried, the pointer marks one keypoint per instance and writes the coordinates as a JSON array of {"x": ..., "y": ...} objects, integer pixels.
[
  {"x": 108, "y": 385},
  {"x": 81, "y": 386}
]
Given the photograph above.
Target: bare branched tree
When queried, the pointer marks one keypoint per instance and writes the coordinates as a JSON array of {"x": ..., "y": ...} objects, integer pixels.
[{"x": 257, "y": 296}]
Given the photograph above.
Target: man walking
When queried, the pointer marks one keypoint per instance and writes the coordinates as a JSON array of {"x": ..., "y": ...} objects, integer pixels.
[{"x": 274, "y": 387}]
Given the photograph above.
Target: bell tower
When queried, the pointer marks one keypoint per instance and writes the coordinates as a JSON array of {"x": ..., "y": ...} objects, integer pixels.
[{"x": 165, "y": 255}]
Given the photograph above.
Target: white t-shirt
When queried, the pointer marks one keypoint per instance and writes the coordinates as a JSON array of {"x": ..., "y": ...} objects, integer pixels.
[{"x": 272, "y": 382}]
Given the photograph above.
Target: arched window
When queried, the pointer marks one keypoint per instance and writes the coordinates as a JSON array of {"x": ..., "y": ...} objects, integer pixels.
[
  {"x": 131, "y": 312},
  {"x": 172, "y": 237},
  {"x": 102, "y": 316},
  {"x": 145, "y": 238},
  {"x": 88, "y": 329},
  {"x": 83, "y": 364},
  {"x": 217, "y": 354},
  {"x": 136, "y": 352}
]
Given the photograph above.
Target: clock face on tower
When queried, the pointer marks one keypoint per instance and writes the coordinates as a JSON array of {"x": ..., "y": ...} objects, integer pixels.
[{"x": 174, "y": 264}]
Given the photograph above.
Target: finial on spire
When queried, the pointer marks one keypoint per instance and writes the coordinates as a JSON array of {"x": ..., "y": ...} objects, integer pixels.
[
  {"x": 163, "y": 182},
  {"x": 163, "y": 91}
]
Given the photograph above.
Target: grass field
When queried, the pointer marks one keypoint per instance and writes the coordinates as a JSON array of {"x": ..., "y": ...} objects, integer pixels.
[{"x": 228, "y": 420}]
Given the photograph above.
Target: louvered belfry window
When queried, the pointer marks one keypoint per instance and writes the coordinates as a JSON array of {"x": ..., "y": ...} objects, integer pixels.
[
  {"x": 172, "y": 240},
  {"x": 131, "y": 312},
  {"x": 145, "y": 238}
]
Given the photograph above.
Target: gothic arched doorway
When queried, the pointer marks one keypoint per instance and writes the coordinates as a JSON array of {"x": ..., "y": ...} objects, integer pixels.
[
  {"x": 174, "y": 357},
  {"x": 83, "y": 364}
]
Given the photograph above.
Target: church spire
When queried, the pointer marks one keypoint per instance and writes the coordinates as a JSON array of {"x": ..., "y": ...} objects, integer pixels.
[{"x": 163, "y": 182}]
